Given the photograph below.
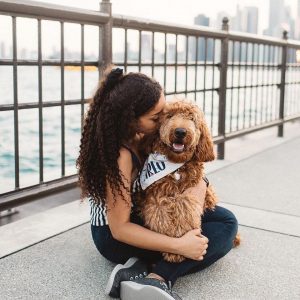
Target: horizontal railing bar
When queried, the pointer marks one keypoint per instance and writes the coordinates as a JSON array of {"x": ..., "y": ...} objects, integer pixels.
[
  {"x": 25, "y": 195},
  {"x": 291, "y": 118},
  {"x": 47, "y": 11},
  {"x": 28, "y": 194},
  {"x": 294, "y": 44},
  {"x": 34, "y": 9},
  {"x": 203, "y": 64},
  {"x": 95, "y": 63},
  {"x": 218, "y": 139},
  {"x": 250, "y": 86},
  {"x": 260, "y": 39},
  {"x": 191, "y": 91},
  {"x": 292, "y": 82},
  {"x": 21, "y": 62},
  {"x": 31, "y": 105},
  {"x": 293, "y": 65},
  {"x": 162, "y": 64},
  {"x": 164, "y": 27},
  {"x": 232, "y": 135},
  {"x": 253, "y": 65},
  {"x": 239, "y": 133},
  {"x": 173, "y": 28},
  {"x": 8, "y": 107}
]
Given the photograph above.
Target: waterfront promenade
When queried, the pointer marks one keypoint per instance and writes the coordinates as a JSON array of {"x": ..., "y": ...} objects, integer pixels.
[
  {"x": 248, "y": 88},
  {"x": 50, "y": 254}
]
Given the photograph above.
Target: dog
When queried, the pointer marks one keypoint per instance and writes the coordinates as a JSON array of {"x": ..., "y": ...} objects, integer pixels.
[{"x": 176, "y": 155}]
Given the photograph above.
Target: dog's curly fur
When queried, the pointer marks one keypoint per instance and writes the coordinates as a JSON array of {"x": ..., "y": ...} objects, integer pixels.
[{"x": 163, "y": 206}]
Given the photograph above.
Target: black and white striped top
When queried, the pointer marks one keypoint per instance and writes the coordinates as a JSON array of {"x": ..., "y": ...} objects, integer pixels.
[
  {"x": 98, "y": 211},
  {"x": 98, "y": 215}
]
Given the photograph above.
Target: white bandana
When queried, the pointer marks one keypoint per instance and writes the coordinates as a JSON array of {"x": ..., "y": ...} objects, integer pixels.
[{"x": 156, "y": 166}]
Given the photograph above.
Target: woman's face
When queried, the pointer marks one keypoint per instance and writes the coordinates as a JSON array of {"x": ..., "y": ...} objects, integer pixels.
[{"x": 148, "y": 123}]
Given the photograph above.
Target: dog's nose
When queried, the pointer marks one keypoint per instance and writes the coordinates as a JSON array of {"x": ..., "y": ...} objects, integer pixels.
[{"x": 180, "y": 132}]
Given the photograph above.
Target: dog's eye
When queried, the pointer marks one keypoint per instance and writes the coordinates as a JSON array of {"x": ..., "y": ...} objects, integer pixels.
[{"x": 168, "y": 116}]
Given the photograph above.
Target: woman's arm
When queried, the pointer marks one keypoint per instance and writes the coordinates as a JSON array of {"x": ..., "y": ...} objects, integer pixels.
[
  {"x": 142, "y": 237},
  {"x": 119, "y": 218},
  {"x": 198, "y": 191}
]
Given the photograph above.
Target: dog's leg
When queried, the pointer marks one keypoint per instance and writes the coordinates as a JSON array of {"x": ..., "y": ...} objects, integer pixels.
[
  {"x": 186, "y": 216},
  {"x": 211, "y": 199},
  {"x": 237, "y": 240}
]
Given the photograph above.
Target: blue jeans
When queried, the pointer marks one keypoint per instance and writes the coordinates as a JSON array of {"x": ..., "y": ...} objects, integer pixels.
[{"x": 219, "y": 226}]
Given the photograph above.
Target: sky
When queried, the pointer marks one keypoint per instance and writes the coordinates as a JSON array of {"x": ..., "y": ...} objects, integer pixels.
[{"x": 181, "y": 12}]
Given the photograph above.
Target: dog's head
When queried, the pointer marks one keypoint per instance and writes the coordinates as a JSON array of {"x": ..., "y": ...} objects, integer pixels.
[{"x": 183, "y": 133}]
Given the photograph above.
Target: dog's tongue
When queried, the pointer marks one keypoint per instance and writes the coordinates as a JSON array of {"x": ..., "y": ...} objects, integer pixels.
[{"x": 178, "y": 147}]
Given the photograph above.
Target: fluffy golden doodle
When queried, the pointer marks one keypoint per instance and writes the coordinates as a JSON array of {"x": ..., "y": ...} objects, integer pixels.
[{"x": 183, "y": 137}]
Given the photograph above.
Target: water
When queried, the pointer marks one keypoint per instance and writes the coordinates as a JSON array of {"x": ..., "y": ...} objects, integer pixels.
[
  {"x": 267, "y": 100},
  {"x": 29, "y": 127}
]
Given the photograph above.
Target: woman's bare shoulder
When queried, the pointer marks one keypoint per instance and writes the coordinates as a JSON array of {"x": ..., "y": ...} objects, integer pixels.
[{"x": 125, "y": 160}]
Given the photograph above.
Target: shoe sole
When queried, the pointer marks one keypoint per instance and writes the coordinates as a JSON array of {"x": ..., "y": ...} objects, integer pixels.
[
  {"x": 117, "y": 268},
  {"x": 134, "y": 291}
]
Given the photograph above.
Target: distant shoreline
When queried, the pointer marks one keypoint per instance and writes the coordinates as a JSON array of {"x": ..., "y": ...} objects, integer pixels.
[{"x": 77, "y": 68}]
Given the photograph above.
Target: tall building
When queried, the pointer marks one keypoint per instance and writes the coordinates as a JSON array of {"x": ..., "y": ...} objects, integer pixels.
[
  {"x": 205, "y": 50},
  {"x": 297, "y": 22},
  {"x": 252, "y": 19},
  {"x": 201, "y": 20},
  {"x": 276, "y": 17},
  {"x": 245, "y": 20},
  {"x": 219, "y": 19},
  {"x": 289, "y": 22},
  {"x": 171, "y": 52},
  {"x": 146, "y": 47},
  {"x": 280, "y": 19}
]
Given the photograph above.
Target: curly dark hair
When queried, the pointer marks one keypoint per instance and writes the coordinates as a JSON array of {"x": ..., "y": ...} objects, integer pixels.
[{"x": 120, "y": 99}]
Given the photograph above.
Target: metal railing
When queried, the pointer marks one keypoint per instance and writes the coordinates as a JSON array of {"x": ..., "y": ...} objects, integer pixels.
[{"x": 243, "y": 82}]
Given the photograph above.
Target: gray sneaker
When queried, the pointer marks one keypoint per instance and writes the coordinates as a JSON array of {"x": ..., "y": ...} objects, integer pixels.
[
  {"x": 134, "y": 268},
  {"x": 147, "y": 289}
]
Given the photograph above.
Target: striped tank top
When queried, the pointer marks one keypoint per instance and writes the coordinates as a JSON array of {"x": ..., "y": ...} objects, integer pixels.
[{"x": 98, "y": 215}]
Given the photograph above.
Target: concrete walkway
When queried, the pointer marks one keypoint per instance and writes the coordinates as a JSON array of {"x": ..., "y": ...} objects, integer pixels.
[{"x": 262, "y": 190}]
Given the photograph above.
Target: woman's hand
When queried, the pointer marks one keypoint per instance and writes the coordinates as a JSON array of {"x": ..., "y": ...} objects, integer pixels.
[{"x": 192, "y": 245}]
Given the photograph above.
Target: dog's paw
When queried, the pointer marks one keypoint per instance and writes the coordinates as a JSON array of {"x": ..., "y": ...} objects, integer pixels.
[{"x": 237, "y": 240}]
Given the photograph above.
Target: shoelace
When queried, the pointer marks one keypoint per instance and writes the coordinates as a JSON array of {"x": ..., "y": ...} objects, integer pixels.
[{"x": 167, "y": 286}]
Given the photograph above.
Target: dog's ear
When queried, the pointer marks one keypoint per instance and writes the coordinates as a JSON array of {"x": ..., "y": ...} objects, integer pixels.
[
  {"x": 146, "y": 143},
  {"x": 205, "y": 148}
]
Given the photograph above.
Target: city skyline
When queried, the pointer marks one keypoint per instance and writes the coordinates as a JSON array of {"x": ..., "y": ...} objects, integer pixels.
[
  {"x": 245, "y": 19},
  {"x": 177, "y": 13}
]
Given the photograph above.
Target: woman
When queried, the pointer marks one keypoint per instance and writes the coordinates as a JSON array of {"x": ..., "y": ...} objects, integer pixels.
[{"x": 124, "y": 108}]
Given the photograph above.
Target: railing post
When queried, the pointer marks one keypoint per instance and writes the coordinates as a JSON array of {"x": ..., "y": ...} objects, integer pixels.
[
  {"x": 282, "y": 84},
  {"x": 222, "y": 90},
  {"x": 106, "y": 54}
]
